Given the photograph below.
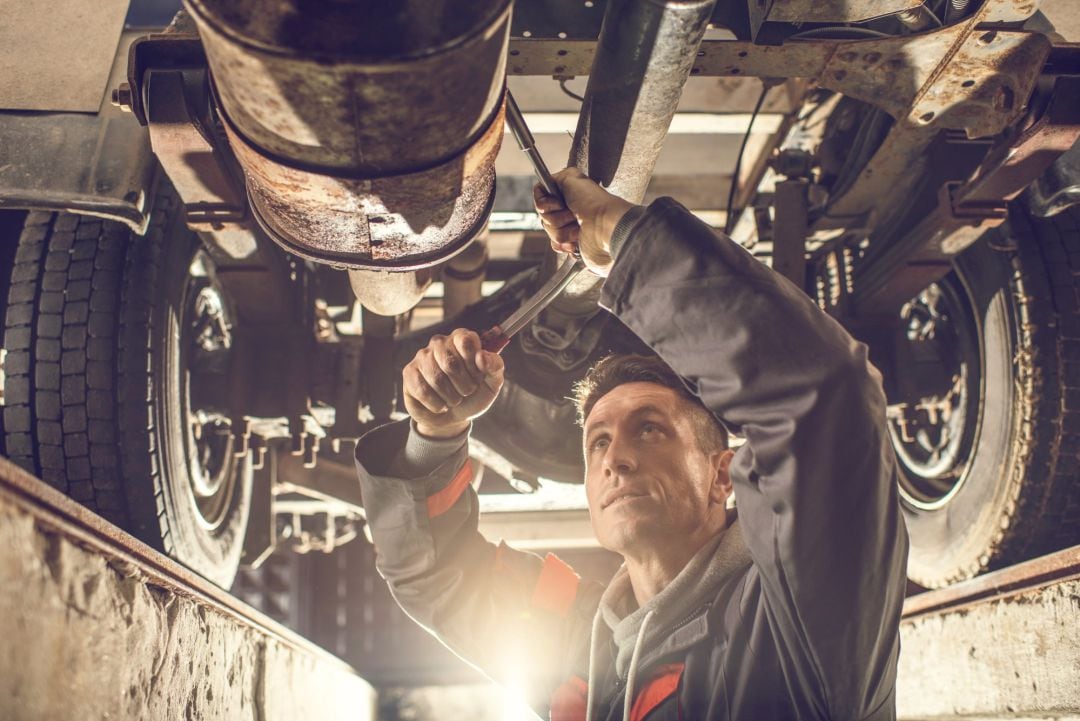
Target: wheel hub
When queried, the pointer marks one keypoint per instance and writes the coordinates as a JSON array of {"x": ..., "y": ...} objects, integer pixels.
[
  {"x": 935, "y": 409},
  {"x": 206, "y": 345}
]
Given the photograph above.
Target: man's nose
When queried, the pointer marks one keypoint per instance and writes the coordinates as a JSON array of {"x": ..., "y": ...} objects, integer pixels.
[{"x": 619, "y": 458}]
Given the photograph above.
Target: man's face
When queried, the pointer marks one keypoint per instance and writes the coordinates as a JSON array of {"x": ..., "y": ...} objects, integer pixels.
[{"x": 648, "y": 481}]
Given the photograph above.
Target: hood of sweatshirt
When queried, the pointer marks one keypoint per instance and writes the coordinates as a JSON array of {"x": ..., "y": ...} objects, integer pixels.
[{"x": 720, "y": 559}]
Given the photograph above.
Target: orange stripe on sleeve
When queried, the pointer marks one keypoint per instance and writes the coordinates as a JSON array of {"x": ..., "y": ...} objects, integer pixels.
[
  {"x": 557, "y": 586},
  {"x": 660, "y": 687},
  {"x": 568, "y": 701},
  {"x": 442, "y": 501}
]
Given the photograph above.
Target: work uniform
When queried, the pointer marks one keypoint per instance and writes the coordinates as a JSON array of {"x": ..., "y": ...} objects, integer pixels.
[{"x": 790, "y": 613}]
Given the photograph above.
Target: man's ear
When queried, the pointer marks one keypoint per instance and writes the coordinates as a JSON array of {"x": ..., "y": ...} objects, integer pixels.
[{"x": 721, "y": 486}]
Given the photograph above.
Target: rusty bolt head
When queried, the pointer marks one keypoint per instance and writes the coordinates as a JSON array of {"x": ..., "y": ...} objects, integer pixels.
[
  {"x": 121, "y": 97},
  {"x": 1004, "y": 99}
]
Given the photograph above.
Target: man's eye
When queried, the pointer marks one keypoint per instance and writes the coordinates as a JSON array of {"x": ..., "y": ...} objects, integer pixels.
[
  {"x": 650, "y": 428},
  {"x": 599, "y": 443}
]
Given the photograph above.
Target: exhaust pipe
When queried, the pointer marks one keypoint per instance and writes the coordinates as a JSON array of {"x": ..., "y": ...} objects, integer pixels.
[
  {"x": 644, "y": 56},
  {"x": 368, "y": 139}
]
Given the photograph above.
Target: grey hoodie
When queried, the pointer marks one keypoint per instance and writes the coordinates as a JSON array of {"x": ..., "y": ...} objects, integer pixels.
[{"x": 808, "y": 629}]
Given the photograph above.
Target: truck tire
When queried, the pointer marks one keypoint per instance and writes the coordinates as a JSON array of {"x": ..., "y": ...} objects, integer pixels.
[
  {"x": 988, "y": 371},
  {"x": 100, "y": 373}
]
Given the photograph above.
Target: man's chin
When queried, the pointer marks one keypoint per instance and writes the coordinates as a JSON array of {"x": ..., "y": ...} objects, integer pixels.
[{"x": 629, "y": 535}]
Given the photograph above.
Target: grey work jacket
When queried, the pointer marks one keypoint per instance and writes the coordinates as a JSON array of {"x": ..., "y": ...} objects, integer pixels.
[{"x": 810, "y": 631}]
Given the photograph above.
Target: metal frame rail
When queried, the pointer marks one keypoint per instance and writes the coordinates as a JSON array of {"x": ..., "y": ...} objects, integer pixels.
[
  {"x": 1003, "y": 645},
  {"x": 98, "y": 624},
  {"x": 1021, "y": 578}
]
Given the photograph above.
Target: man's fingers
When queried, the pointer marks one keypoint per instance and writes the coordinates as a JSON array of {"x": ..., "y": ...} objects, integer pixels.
[
  {"x": 437, "y": 379},
  {"x": 558, "y": 219},
  {"x": 454, "y": 367},
  {"x": 569, "y": 173},
  {"x": 565, "y": 239},
  {"x": 415, "y": 386},
  {"x": 544, "y": 202},
  {"x": 491, "y": 364},
  {"x": 467, "y": 343}
]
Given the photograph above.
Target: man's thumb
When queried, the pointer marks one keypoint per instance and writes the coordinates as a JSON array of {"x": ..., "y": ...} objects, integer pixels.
[{"x": 491, "y": 365}]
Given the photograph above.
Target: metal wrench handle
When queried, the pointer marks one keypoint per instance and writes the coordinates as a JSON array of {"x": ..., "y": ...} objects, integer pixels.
[
  {"x": 498, "y": 336},
  {"x": 527, "y": 143}
]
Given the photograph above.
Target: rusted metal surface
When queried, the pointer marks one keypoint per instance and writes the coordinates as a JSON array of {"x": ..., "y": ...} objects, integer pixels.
[
  {"x": 368, "y": 139},
  {"x": 1021, "y": 578},
  {"x": 834, "y": 11},
  {"x": 1003, "y": 645},
  {"x": 966, "y": 210},
  {"x": 98, "y": 625},
  {"x": 213, "y": 198},
  {"x": 983, "y": 86},
  {"x": 965, "y": 81},
  {"x": 643, "y": 58},
  {"x": 96, "y": 164},
  {"x": 367, "y": 93},
  {"x": 401, "y": 222},
  {"x": 1011, "y": 168}
]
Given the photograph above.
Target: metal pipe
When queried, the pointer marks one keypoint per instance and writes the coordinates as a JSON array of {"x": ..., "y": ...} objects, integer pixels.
[
  {"x": 463, "y": 277},
  {"x": 367, "y": 134},
  {"x": 644, "y": 56}
]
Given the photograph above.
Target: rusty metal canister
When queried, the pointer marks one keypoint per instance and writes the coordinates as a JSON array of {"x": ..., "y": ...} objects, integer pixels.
[{"x": 367, "y": 131}]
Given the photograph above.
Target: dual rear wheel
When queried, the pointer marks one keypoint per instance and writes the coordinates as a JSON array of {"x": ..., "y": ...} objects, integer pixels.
[{"x": 116, "y": 381}]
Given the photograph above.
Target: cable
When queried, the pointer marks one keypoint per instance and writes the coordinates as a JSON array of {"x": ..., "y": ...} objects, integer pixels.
[
  {"x": 729, "y": 219},
  {"x": 568, "y": 91}
]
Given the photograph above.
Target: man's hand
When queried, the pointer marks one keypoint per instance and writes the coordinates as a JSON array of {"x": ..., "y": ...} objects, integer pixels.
[
  {"x": 587, "y": 220},
  {"x": 450, "y": 382}
]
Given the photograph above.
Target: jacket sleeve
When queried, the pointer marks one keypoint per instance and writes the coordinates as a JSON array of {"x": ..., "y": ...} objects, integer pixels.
[
  {"x": 815, "y": 480},
  {"x": 521, "y": 619}
]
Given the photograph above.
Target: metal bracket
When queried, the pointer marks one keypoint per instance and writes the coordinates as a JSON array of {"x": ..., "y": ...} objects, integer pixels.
[
  {"x": 966, "y": 210},
  {"x": 176, "y": 106}
]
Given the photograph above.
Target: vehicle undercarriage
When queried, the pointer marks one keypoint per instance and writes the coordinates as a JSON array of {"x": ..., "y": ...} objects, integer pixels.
[{"x": 215, "y": 277}]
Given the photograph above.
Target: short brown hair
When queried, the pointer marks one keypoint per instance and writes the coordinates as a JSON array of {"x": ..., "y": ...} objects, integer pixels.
[{"x": 617, "y": 369}]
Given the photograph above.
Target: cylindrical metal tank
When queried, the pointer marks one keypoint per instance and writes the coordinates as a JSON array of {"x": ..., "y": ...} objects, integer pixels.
[{"x": 367, "y": 130}]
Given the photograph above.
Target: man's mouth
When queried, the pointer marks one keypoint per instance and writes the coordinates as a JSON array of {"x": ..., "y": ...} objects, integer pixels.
[{"x": 621, "y": 497}]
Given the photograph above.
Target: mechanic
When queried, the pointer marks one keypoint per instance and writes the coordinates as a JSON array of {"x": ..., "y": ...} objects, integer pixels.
[{"x": 787, "y": 609}]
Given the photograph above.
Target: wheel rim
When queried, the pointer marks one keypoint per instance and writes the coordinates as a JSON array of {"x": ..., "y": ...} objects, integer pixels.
[
  {"x": 205, "y": 354},
  {"x": 934, "y": 414}
]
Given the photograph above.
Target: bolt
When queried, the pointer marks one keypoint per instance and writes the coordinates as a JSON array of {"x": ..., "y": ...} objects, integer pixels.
[
  {"x": 1003, "y": 99},
  {"x": 241, "y": 436},
  {"x": 258, "y": 447},
  {"x": 121, "y": 97},
  {"x": 311, "y": 452}
]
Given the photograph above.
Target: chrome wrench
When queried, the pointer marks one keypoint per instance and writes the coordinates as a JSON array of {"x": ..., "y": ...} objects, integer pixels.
[{"x": 498, "y": 336}]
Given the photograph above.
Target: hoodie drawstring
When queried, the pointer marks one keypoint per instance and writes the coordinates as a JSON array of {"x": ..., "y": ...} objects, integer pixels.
[
  {"x": 628, "y": 700},
  {"x": 589, "y": 695}
]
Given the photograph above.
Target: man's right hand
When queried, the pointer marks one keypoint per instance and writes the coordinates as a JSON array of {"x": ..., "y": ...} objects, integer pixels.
[
  {"x": 586, "y": 221},
  {"x": 450, "y": 382}
]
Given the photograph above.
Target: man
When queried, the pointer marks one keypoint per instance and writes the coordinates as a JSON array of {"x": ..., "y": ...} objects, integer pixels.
[{"x": 789, "y": 610}]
